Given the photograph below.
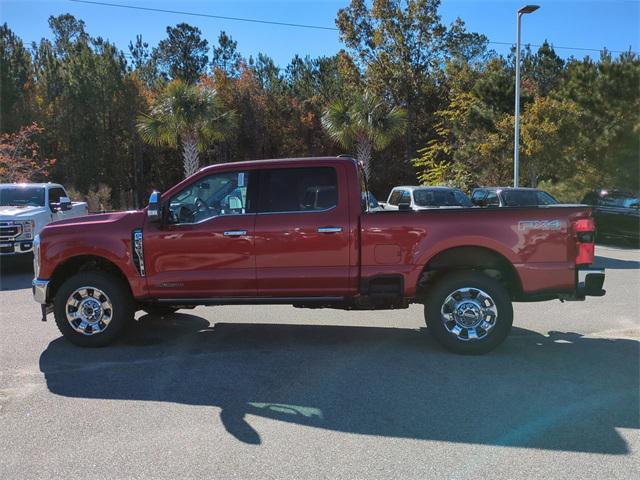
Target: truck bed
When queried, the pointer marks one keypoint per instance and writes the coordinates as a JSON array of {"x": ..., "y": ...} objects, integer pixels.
[{"x": 537, "y": 241}]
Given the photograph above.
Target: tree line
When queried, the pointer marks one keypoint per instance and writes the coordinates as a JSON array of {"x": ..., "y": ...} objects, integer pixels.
[{"x": 421, "y": 101}]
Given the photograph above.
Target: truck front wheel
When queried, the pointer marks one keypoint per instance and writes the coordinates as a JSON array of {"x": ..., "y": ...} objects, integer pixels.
[
  {"x": 468, "y": 312},
  {"x": 91, "y": 309}
]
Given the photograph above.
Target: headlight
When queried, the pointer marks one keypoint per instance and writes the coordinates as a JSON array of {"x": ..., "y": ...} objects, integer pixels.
[
  {"x": 27, "y": 229},
  {"x": 36, "y": 256}
]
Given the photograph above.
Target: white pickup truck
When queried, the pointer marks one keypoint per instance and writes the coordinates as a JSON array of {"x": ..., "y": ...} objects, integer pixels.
[{"x": 25, "y": 208}]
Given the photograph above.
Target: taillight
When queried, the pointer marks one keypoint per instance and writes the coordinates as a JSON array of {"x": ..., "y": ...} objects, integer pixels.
[{"x": 585, "y": 230}]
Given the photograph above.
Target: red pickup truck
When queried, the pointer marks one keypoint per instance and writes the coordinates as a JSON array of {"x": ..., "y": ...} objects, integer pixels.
[{"x": 299, "y": 232}]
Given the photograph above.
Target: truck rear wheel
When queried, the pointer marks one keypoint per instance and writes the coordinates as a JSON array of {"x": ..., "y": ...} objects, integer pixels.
[
  {"x": 91, "y": 309},
  {"x": 468, "y": 312}
]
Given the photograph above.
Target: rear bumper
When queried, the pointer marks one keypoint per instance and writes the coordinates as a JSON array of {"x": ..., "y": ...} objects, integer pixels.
[{"x": 590, "y": 282}]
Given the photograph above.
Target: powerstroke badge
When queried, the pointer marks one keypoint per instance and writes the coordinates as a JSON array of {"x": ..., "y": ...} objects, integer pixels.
[{"x": 527, "y": 225}]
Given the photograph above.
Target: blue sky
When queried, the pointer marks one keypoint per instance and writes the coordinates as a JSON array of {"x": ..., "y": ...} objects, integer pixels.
[{"x": 587, "y": 24}]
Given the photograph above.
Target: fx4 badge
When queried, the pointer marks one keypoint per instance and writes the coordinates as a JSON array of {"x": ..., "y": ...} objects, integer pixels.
[{"x": 527, "y": 225}]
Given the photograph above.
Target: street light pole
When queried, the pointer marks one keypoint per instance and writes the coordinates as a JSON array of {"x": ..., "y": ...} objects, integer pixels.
[{"x": 516, "y": 143}]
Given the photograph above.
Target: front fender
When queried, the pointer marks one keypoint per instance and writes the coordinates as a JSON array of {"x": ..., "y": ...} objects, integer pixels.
[
  {"x": 137, "y": 284},
  {"x": 96, "y": 237}
]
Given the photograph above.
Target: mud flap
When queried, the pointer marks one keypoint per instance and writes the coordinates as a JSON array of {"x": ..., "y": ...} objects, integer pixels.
[{"x": 45, "y": 310}]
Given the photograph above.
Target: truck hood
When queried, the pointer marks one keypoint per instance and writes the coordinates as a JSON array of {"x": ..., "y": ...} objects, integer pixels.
[
  {"x": 19, "y": 213},
  {"x": 99, "y": 219}
]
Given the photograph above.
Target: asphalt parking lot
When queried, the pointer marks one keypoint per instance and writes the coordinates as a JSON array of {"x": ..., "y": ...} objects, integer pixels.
[{"x": 278, "y": 392}]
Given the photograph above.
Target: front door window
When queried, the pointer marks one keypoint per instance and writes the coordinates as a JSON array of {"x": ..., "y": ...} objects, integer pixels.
[{"x": 216, "y": 195}]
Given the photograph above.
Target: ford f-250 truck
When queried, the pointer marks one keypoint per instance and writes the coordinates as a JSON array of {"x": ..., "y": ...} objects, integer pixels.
[
  {"x": 299, "y": 232},
  {"x": 25, "y": 208}
]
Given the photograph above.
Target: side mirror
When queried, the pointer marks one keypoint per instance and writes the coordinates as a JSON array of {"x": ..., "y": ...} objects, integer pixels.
[
  {"x": 404, "y": 206},
  {"x": 65, "y": 204},
  {"x": 153, "y": 210}
]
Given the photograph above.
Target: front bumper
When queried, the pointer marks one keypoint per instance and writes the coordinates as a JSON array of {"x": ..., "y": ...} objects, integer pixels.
[
  {"x": 16, "y": 247},
  {"x": 40, "y": 290}
]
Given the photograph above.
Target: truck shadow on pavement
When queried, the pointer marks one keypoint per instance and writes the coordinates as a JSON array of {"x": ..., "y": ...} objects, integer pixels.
[
  {"x": 16, "y": 273},
  {"x": 615, "y": 263},
  {"x": 561, "y": 392}
]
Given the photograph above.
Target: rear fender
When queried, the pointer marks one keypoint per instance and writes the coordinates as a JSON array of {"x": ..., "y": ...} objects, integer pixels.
[{"x": 422, "y": 258}]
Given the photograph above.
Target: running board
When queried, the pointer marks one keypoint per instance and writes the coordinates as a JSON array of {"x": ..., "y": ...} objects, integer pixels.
[{"x": 247, "y": 300}]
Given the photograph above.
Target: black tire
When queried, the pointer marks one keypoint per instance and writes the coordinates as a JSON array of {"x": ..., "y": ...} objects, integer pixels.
[
  {"x": 494, "y": 335},
  {"x": 122, "y": 311},
  {"x": 160, "y": 310}
]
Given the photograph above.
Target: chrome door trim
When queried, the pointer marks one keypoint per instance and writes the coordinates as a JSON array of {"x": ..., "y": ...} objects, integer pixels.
[{"x": 329, "y": 229}]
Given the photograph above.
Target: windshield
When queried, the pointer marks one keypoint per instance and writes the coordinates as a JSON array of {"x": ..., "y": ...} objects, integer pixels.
[
  {"x": 22, "y": 196},
  {"x": 440, "y": 198}
]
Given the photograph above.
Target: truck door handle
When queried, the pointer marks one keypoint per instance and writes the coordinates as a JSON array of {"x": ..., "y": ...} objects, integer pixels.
[
  {"x": 329, "y": 229},
  {"x": 235, "y": 233}
]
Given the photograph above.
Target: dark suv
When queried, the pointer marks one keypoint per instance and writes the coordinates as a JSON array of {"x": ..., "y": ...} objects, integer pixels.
[
  {"x": 616, "y": 213},
  {"x": 511, "y": 197}
]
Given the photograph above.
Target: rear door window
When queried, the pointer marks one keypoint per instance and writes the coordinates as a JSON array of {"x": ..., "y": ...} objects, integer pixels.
[{"x": 298, "y": 190}]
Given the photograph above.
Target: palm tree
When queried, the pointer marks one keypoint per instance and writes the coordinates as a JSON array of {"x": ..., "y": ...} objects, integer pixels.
[
  {"x": 192, "y": 116},
  {"x": 364, "y": 123}
]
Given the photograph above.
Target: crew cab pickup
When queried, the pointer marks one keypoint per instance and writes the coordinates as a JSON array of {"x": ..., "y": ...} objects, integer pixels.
[
  {"x": 25, "y": 208},
  {"x": 300, "y": 232}
]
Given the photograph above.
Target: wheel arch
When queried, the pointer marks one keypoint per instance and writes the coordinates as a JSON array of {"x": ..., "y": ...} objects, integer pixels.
[
  {"x": 471, "y": 257},
  {"x": 84, "y": 263}
]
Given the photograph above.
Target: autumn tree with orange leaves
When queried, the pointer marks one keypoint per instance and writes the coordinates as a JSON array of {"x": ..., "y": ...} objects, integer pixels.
[{"x": 20, "y": 158}]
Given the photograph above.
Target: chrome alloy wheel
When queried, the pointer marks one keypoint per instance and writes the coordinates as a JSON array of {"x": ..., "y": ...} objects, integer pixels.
[
  {"x": 89, "y": 310},
  {"x": 469, "y": 314}
]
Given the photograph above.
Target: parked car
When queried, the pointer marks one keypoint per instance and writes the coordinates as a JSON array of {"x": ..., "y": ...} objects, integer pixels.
[
  {"x": 25, "y": 208},
  {"x": 423, "y": 198},
  {"x": 616, "y": 213},
  {"x": 187, "y": 248},
  {"x": 511, "y": 197}
]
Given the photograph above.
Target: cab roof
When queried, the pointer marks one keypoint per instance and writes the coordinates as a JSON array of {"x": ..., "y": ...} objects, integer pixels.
[
  {"x": 28, "y": 184},
  {"x": 508, "y": 188},
  {"x": 273, "y": 162},
  {"x": 425, "y": 187}
]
